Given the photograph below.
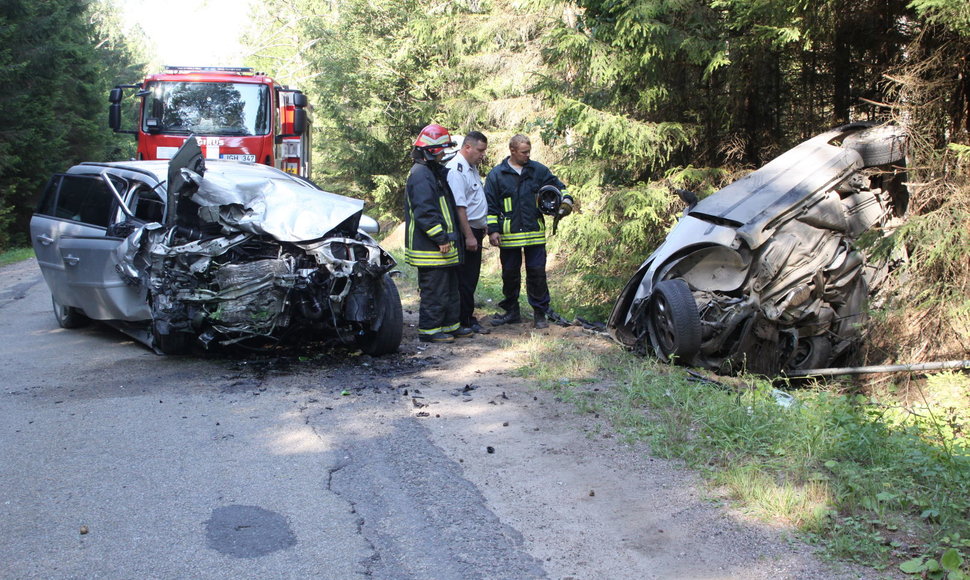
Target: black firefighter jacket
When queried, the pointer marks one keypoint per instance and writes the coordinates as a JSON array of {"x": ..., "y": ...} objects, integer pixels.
[
  {"x": 513, "y": 210},
  {"x": 429, "y": 218}
]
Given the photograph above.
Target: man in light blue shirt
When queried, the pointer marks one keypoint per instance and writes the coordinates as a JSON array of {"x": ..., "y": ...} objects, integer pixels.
[{"x": 471, "y": 208}]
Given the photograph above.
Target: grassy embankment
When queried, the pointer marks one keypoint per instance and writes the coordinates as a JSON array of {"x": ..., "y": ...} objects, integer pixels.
[
  {"x": 868, "y": 478},
  {"x": 16, "y": 255}
]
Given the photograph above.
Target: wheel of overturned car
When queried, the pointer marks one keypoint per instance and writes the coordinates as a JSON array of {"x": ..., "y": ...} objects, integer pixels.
[
  {"x": 811, "y": 352},
  {"x": 878, "y": 145},
  {"x": 386, "y": 337},
  {"x": 68, "y": 316},
  {"x": 673, "y": 322}
]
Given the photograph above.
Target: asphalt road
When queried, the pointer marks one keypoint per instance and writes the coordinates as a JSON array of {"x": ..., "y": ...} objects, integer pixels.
[
  {"x": 118, "y": 463},
  {"x": 439, "y": 462}
]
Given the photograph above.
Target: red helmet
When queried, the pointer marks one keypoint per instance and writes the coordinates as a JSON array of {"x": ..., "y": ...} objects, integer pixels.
[{"x": 433, "y": 139}]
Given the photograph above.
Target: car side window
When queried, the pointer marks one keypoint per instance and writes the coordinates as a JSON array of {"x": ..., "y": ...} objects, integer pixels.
[
  {"x": 80, "y": 198},
  {"x": 147, "y": 204},
  {"x": 48, "y": 198}
]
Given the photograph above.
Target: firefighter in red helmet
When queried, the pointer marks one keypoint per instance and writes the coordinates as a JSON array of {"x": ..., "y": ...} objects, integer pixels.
[{"x": 431, "y": 236}]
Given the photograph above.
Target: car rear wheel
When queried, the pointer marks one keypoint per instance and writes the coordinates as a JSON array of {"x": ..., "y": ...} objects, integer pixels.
[
  {"x": 811, "y": 352},
  {"x": 68, "y": 316},
  {"x": 673, "y": 322},
  {"x": 878, "y": 145},
  {"x": 386, "y": 338}
]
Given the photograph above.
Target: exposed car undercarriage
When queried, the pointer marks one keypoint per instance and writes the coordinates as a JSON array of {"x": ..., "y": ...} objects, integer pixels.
[{"x": 779, "y": 283}]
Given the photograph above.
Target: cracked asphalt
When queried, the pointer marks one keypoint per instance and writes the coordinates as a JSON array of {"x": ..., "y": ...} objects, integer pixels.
[
  {"x": 118, "y": 463},
  {"x": 435, "y": 463}
]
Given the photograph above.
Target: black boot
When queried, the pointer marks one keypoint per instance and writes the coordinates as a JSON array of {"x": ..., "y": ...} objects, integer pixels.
[
  {"x": 539, "y": 319},
  {"x": 508, "y": 317}
]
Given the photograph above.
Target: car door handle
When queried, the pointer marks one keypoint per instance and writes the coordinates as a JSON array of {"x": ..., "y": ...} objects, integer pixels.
[
  {"x": 71, "y": 260},
  {"x": 45, "y": 240}
]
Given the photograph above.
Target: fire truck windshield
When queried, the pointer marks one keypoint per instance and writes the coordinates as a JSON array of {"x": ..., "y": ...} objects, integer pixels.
[{"x": 207, "y": 108}]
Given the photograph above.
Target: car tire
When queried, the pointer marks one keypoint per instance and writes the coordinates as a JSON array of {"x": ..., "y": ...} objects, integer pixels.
[
  {"x": 170, "y": 343},
  {"x": 673, "y": 322},
  {"x": 880, "y": 145},
  {"x": 390, "y": 329},
  {"x": 811, "y": 352},
  {"x": 68, "y": 316}
]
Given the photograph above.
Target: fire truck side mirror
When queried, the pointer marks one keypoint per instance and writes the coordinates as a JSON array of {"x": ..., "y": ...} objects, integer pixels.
[
  {"x": 114, "y": 116},
  {"x": 114, "y": 110},
  {"x": 299, "y": 121},
  {"x": 299, "y": 100}
]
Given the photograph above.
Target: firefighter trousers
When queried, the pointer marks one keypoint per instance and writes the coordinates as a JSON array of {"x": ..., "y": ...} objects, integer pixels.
[
  {"x": 439, "y": 307},
  {"x": 536, "y": 287}
]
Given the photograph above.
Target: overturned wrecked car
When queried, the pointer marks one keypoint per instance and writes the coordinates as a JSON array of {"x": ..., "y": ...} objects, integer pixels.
[
  {"x": 204, "y": 252},
  {"x": 766, "y": 275}
]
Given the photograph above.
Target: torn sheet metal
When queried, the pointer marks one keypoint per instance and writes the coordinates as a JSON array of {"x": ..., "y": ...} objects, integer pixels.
[{"x": 284, "y": 209}]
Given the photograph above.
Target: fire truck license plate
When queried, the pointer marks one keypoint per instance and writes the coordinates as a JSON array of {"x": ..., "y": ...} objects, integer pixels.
[{"x": 237, "y": 157}]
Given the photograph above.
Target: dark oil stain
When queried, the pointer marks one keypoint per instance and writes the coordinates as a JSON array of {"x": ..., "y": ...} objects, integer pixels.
[{"x": 246, "y": 531}]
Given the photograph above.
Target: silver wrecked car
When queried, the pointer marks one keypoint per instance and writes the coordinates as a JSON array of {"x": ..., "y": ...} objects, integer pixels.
[
  {"x": 765, "y": 275},
  {"x": 199, "y": 251}
]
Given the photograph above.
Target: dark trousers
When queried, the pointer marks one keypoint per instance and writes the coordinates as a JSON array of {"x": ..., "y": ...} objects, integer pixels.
[
  {"x": 536, "y": 287},
  {"x": 438, "y": 311},
  {"x": 468, "y": 274}
]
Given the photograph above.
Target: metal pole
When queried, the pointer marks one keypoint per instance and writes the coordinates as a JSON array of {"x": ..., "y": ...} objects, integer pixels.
[{"x": 931, "y": 366}]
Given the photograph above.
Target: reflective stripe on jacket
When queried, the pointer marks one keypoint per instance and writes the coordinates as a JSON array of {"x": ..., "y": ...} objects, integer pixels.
[
  {"x": 430, "y": 219},
  {"x": 513, "y": 210}
]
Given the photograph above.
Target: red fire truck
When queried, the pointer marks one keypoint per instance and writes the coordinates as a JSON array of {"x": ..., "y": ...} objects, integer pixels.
[{"x": 234, "y": 113}]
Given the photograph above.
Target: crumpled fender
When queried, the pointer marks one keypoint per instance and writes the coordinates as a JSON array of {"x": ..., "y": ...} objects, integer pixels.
[{"x": 688, "y": 236}]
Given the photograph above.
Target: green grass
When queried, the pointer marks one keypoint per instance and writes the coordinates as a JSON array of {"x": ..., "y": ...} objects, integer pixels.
[
  {"x": 15, "y": 255},
  {"x": 871, "y": 482}
]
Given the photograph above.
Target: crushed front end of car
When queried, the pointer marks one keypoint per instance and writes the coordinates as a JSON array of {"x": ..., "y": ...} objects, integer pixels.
[
  {"x": 766, "y": 275},
  {"x": 261, "y": 260}
]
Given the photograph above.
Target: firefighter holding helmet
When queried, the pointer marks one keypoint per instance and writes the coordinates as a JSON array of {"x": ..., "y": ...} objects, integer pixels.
[
  {"x": 520, "y": 192},
  {"x": 431, "y": 236}
]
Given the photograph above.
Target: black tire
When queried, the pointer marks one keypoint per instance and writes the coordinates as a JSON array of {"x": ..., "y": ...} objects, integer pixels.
[
  {"x": 68, "y": 316},
  {"x": 386, "y": 338},
  {"x": 880, "y": 145},
  {"x": 811, "y": 352},
  {"x": 171, "y": 343},
  {"x": 167, "y": 341},
  {"x": 673, "y": 322}
]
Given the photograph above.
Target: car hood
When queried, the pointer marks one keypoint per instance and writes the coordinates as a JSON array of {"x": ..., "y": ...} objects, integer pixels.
[
  {"x": 285, "y": 209},
  {"x": 249, "y": 199}
]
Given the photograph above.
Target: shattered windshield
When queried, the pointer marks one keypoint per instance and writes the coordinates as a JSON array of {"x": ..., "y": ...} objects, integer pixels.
[{"x": 207, "y": 108}]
